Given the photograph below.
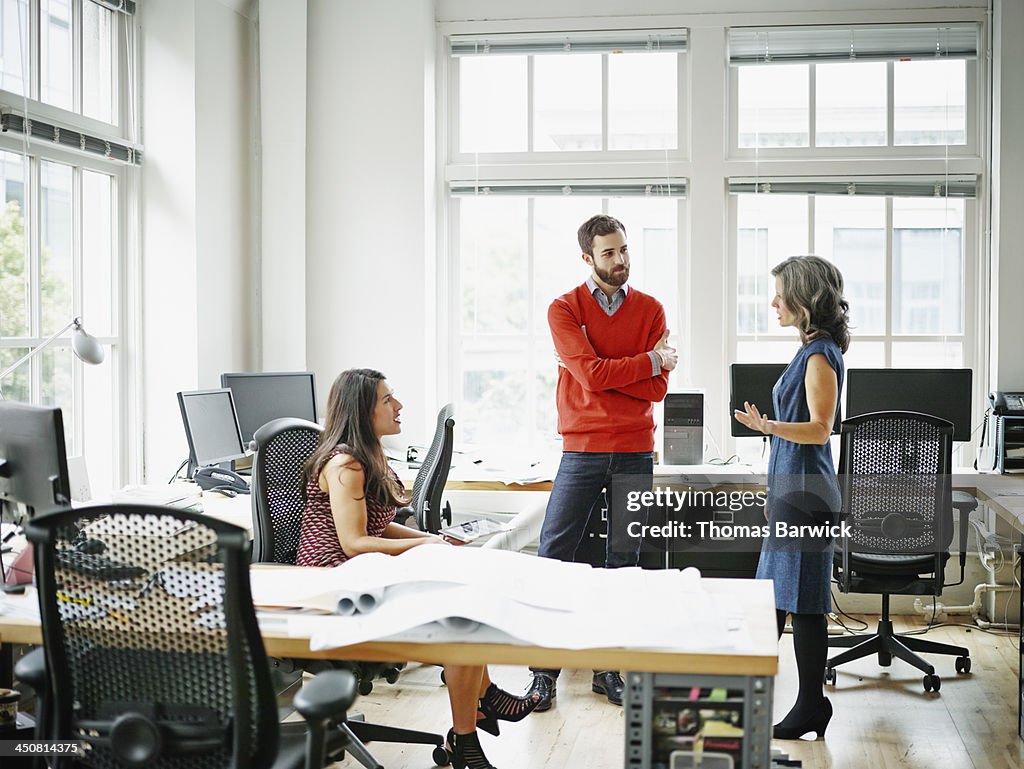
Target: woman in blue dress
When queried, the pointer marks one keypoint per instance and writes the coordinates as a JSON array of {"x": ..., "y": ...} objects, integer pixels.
[{"x": 803, "y": 491}]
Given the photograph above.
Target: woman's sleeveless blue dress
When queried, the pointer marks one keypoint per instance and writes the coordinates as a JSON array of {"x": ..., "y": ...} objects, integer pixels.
[{"x": 802, "y": 490}]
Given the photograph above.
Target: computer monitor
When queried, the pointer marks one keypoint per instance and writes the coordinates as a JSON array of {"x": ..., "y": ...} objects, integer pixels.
[
  {"x": 753, "y": 383},
  {"x": 33, "y": 458},
  {"x": 211, "y": 426},
  {"x": 941, "y": 392},
  {"x": 261, "y": 397}
]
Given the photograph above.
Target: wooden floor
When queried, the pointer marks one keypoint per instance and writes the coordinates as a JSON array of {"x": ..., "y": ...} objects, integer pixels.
[{"x": 883, "y": 718}]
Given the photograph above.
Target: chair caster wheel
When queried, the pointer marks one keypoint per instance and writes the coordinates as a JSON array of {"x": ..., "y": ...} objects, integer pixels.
[
  {"x": 391, "y": 675},
  {"x": 830, "y": 676},
  {"x": 963, "y": 664},
  {"x": 443, "y": 680},
  {"x": 932, "y": 683},
  {"x": 441, "y": 757},
  {"x": 365, "y": 687}
]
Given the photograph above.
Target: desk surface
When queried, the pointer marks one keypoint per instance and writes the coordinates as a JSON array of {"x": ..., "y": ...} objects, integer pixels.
[{"x": 752, "y": 599}]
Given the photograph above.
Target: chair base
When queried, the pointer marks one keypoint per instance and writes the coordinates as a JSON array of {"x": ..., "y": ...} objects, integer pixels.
[{"x": 887, "y": 644}]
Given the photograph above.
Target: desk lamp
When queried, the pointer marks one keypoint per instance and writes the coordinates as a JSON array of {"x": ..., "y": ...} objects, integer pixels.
[{"x": 86, "y": 348}]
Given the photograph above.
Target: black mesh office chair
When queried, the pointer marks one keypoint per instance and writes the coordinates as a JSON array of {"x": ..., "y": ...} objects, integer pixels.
[
  {"x": 282, "y": 447},
  {"x": 152, "y": 656},
  {"x": 428, "y": 488},
  {"x": 898, "y": 505}
]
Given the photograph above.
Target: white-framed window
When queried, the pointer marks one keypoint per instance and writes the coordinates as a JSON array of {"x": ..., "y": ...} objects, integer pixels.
[
  {"x": 67, "y": 166},
  {"x": 906, "y": 258},
  {"x": 862, "y": 90},
  {"x": 544, "y": 131}
]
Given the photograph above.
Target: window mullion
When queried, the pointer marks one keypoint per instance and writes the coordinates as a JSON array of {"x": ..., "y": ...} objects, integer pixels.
[
  {"x": 812, "y": 112},
  {"x": 604, "y": 102},
  {"x": 890, "y": 104},
  {"x": 531, "y": 332},
  {"x": 33, "y": 245},
  {"x": 529, "y": 103},
  {"x": 77, "y": 303},
  {"x": 76, "y": 56},
  {"x": 890, "y": 246},
  {"x": 811, "y": 200},
  {"x": 35, "y": 47}
]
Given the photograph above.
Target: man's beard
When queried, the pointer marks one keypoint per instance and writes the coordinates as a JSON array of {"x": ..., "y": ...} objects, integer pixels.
[{"x": 615, "y": 277}]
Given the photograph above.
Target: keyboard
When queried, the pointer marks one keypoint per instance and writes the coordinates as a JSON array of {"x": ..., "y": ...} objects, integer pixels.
[{"x": 98, "y": 566}]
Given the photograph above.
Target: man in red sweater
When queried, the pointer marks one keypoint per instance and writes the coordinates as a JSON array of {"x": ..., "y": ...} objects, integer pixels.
[{"x": 613, "y": 358}]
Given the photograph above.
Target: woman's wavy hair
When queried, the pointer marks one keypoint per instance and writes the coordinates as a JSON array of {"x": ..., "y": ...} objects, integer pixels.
[
  {"x": 350, "y": 407},
  {"x": 812, "y": 288}
]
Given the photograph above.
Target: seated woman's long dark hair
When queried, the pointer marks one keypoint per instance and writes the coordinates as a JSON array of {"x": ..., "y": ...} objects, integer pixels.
[
  {"x": 350, "y": 407},
  {"x": 813, "y": 289}
]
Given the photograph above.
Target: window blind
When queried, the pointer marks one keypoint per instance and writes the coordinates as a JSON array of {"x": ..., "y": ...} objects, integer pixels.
[
  {"x": 761, "y": 45},
  {"x": 123, "y": 6},
  {"x": 582, "y": 41},
  {"x": 632, "y": 188},
  {"x": 70, "y": 138},
  {"x": 904, "y": 186}
]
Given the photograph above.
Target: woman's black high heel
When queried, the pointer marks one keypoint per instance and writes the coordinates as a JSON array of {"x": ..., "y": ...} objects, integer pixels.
[
  {"x": 818, "y": 723},
  {"x": 465, "y": 751},
  {"x": 498, "y": 705}
]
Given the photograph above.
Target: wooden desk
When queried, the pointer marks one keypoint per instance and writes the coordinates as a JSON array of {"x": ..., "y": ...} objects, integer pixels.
[{"x": 750, "y": 669}]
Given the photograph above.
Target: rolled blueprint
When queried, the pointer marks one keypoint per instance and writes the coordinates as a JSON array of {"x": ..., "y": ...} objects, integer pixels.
[{"x": 358, "y": 601}]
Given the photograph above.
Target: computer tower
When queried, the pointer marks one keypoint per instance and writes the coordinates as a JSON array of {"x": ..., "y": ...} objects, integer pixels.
[{"x": 684, "y": 429}]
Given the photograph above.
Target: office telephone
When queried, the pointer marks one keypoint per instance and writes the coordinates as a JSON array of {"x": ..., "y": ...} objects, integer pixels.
[
  {"x": 217, "y": 477},
  {"x": 1002, "y": 434},
  {"x": 1007, "y": 404}
]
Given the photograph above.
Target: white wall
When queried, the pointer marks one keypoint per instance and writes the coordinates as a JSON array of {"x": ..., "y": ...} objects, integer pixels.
[
  {"x": 282, "y": 67},
  {"x": 197, "y": 75},
  {"x": 370, "y": 195},
  {"x": 1008, "y": 197}
]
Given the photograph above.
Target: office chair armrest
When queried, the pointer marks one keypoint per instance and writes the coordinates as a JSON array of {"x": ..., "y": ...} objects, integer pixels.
[
  {"x": 405, "y": 516},
  {"x": 328, "y": 694},
  {"x": 32, "y": 669},
  {"x": 965, "y": 504}
]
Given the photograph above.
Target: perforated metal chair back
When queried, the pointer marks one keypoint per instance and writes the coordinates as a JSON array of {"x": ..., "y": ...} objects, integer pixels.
[
  {"x": 150, "y": 637},
  {"x": 428, "y": 486},
  {"x": 282, "y": 448},
  {"x": 897, "y": 487}
]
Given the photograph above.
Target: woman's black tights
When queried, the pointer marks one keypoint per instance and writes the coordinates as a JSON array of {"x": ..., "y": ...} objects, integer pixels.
[{"x": 810, "y": 643}]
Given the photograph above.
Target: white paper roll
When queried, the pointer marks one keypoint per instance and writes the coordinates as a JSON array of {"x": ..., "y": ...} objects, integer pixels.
[
  {"x": 460, "y": 624},
  {"x": 368, "y": 600},
  {"x": 346, "y": 605},
  {"x": 358, "y": 601}
]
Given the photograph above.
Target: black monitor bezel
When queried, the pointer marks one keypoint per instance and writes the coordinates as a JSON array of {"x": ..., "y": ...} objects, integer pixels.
[
  {"x": 32, "y": 426},
  {"x": 193, "y": 459},
  {"x": 736, "y": 428},
  {"x": 961, "y": 426},
  {"x": 226, "y": 377}
]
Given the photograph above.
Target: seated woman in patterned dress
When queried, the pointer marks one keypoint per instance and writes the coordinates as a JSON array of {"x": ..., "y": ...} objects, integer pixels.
[{"x": 351, "y": 498}]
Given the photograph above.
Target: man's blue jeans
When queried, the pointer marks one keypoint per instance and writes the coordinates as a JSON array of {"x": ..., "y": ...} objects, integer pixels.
[{"x": 579, "y": 491}]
